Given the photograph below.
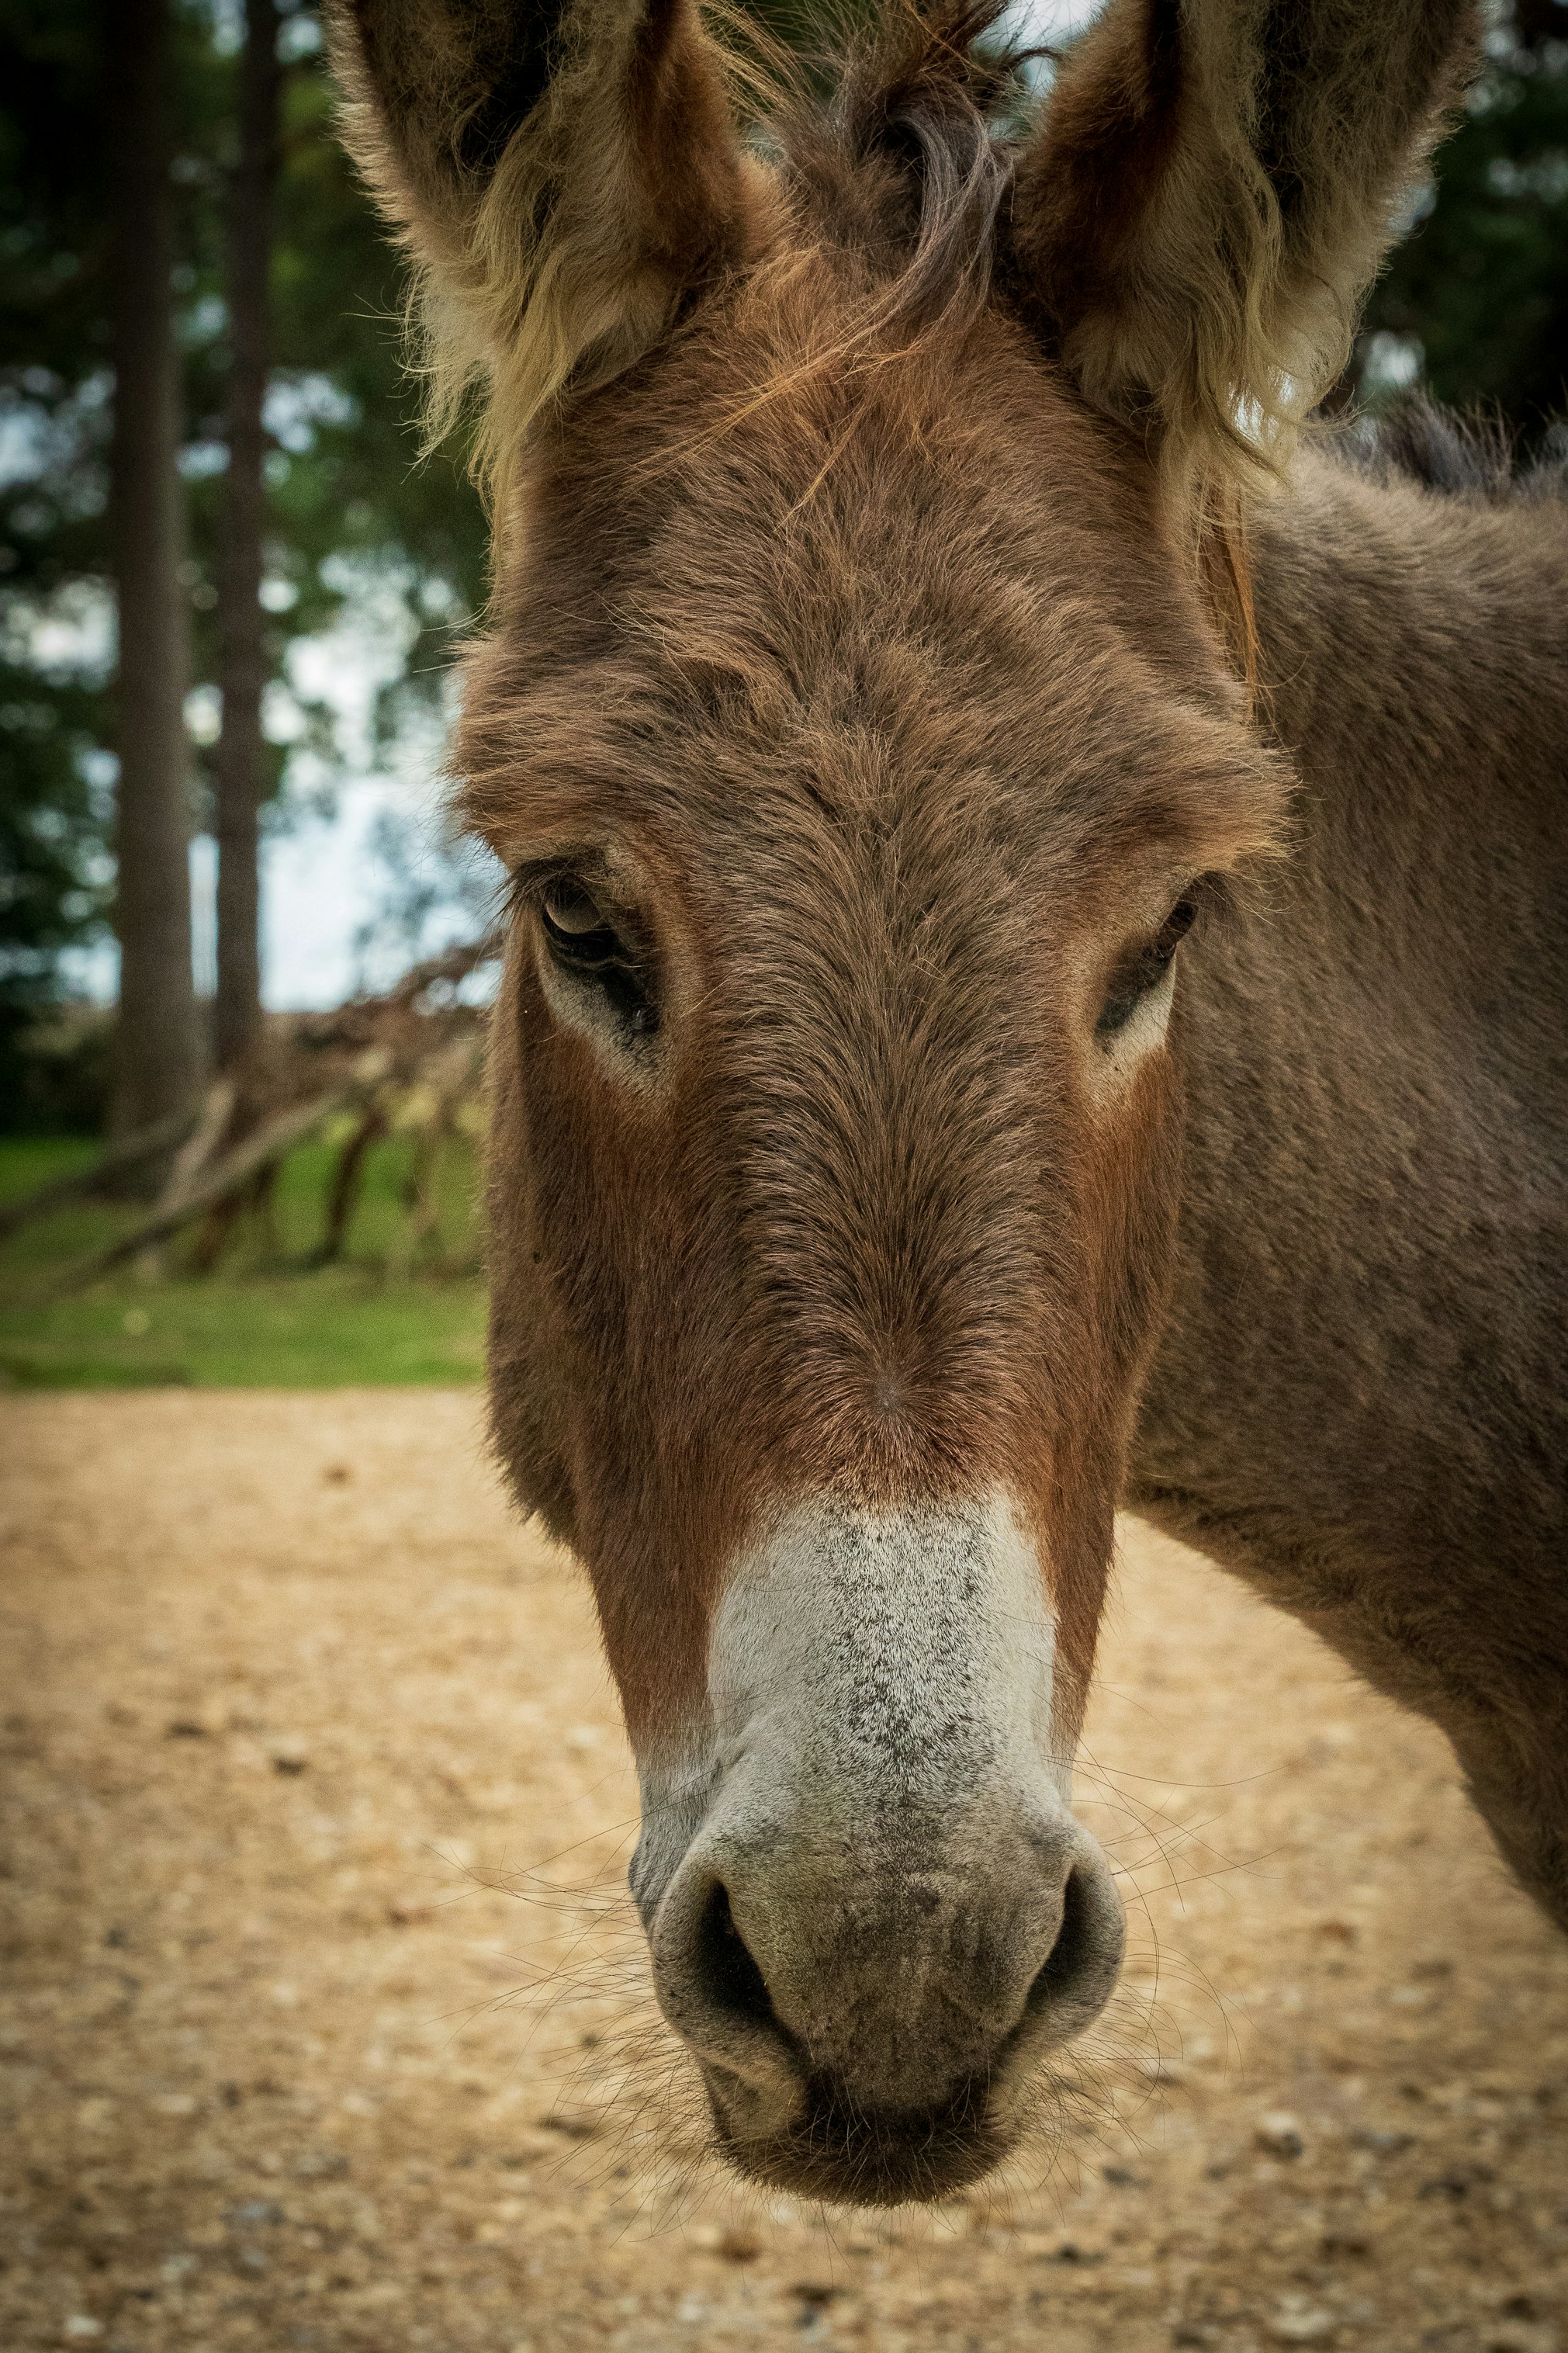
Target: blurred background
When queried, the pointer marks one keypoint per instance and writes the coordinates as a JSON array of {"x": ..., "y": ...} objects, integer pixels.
[
  {"x": 327, "y": 2024},
  {"x": 243, "y": 963}
]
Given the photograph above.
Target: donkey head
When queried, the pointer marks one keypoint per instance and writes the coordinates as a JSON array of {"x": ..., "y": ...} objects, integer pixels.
[{"x": 858, "y": 723}]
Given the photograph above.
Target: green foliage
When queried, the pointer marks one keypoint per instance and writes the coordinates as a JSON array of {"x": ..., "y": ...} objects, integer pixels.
[
  {"x": 354, "y": 513},
  {"x": 1480, "y": 288},
  {"x": 53, "y": 870},
  {"x": 53, "y": 214},
  {"x": 268, "y": 1319},
  {"x": 53, "y": 432}
]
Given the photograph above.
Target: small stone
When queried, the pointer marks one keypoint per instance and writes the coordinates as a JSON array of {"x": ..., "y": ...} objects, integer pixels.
[
  {"x": 1456, "y": 2183},
  {"x": 289, "y": 1754},
  {"x": 81, "y": 2325},
  {"x": 1280, "y": 2134},
  {"x": 336, "y": 1474},
  {"x": 739, "y": 2246},
  {"x": 1302, "y": 2325},
  {"x": 1381, "y": 2144}
]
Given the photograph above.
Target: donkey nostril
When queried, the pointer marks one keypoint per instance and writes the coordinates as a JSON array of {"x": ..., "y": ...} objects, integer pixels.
[
  {"x": 1072, "y": 1951},
  {"x": 730, "y": 1974}
]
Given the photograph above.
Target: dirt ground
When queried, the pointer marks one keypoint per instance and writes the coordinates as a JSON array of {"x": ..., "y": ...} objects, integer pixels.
[{"x": 323, "y": 2025}]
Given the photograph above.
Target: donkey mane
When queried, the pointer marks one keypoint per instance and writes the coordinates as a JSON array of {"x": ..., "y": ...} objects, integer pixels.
[
  {"x": 1470, "y": 458},
  {"x": 891, "y": 147},
  {"x": 894, "y": 142}
]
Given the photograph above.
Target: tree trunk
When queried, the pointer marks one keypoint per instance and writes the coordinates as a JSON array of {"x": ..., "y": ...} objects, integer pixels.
[
  {"x": 243, "y": 662},
  {"x": 160, "y": 1050}
]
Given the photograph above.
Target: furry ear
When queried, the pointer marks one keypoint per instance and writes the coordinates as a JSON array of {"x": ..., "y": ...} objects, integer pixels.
[
  {"x": 564, "y": 172},
  {"x": 1213, "y": 186}
]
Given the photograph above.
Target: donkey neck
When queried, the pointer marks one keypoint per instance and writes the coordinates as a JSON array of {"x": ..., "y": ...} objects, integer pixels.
[{"x": 1353, "y": 1400}]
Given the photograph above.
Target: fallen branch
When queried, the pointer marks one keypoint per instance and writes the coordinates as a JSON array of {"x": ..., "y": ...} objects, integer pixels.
[
  {"x": 81, "y": 1183},
  {"x": 200, "y": 1147},
  {"x": 452, "y": 965},
  {"x": 345, "y": 1185},
  {"x": 199, "y": 1150},
  {"x": 254, "y": 1198},
  {"x": 270, "y": 1142}
]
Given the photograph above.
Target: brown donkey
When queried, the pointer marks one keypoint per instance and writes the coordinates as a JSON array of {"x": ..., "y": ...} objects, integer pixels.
[{"x": 1038, "y": 968}]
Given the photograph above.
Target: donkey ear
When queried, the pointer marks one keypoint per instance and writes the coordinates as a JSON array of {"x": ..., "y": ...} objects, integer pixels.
[
  {"x": 563, "y": 172},
  {"x": 1210, "y": 192}
]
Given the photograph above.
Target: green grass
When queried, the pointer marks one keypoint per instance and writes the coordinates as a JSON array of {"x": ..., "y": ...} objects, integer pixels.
[{"x": 388, "y": 1314}]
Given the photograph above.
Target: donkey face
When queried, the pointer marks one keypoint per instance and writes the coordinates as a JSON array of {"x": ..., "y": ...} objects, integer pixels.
[
  {"x": 858, "y": 737},
  {"x": 834, "y": 1165}
]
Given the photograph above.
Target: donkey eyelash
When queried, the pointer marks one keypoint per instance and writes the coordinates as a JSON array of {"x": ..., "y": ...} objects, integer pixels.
[
  {"x": 1142, "y": 969},
  {"x": 596, "y": 955},
  {"x": 526, "y": 883}
]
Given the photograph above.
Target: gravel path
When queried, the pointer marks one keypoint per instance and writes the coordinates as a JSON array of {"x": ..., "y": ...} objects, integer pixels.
[{"x": 323, "y": 2025}]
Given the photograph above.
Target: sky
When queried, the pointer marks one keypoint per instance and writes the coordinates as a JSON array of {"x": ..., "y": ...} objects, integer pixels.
[
  {"x": 323, "y": 877},
  {"x": 325, "y": 872}
]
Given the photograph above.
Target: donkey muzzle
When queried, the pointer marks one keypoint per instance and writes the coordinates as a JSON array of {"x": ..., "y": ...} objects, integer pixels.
[{"x": 885, "y": 1914}]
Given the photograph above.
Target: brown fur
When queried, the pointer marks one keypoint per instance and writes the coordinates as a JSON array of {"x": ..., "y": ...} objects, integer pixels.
[
  {"x": 561, "y": 241},
  {"x": 1360, "y": 1401},
  {"x": 847, "y": 641},
  {"x": 1212, "y": 190}
]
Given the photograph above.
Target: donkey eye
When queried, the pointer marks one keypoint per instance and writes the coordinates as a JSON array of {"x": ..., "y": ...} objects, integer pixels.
[
  {"x": 583, "y": 941},
  {"x": 1142, "y": 971},
  {"x": 575, "y": 924}
]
